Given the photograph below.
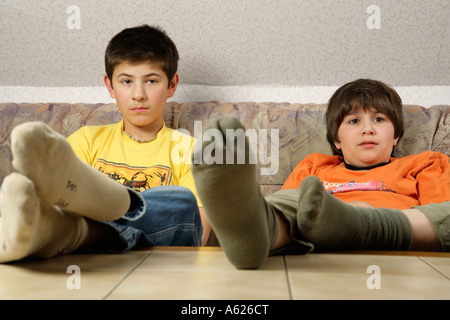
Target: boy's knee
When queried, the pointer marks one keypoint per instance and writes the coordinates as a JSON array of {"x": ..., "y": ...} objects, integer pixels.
[
  {"x": 184, "y": 194},
  {"x": 175, "y": 199},
  {"x": 176, "y": 194}
]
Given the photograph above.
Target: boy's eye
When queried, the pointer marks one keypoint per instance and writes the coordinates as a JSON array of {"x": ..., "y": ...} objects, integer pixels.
[
  {"x": 353, "y": 121},
  {"x": 378, "y": 119},
  {"x": 125, "y": 81},
  {"x": 151, "y": 81}
]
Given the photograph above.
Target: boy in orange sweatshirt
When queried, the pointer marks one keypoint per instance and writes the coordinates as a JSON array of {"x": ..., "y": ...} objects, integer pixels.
[{"x": 361, "y": 198}]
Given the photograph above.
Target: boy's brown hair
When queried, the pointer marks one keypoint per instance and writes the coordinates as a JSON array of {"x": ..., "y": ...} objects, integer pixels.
[
  {"x": 366, "y": 94},
  {"x": 141, "y": 44}
]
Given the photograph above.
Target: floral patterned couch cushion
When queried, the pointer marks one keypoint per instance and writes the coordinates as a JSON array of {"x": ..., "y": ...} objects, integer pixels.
[{"x": 295, "y": 130}]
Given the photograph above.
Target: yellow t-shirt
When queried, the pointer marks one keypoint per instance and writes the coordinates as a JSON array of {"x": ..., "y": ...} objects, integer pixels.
[{"x": 139, "y": 166}]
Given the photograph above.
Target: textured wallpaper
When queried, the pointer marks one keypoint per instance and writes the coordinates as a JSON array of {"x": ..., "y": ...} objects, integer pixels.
[{"x": 232, "y": 43}]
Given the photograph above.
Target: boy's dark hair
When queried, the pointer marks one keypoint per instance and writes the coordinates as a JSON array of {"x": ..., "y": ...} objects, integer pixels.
[
  {"x": 140, "y": 44},
  {"x": 366, "y": 94}
]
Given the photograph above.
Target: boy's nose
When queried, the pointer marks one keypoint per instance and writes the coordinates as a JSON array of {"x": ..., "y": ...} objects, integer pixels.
[
  {"x": 138, "y": 93},
  {"x": 368, "y": 128}
]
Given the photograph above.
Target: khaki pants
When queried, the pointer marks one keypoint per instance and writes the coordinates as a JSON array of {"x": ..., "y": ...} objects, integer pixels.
[
  {"x": 286, "y": 202},
  {"x": 439, "y": 215}
]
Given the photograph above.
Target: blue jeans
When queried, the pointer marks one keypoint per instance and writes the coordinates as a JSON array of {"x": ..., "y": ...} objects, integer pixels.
[{"x": 160, "y": 216}]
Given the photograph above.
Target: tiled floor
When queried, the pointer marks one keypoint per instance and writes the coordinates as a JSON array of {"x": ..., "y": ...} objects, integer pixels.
[{"x": 206, "y": 274}]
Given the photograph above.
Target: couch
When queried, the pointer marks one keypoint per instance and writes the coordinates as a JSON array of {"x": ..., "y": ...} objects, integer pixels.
[{"x": 299, "y": 128}]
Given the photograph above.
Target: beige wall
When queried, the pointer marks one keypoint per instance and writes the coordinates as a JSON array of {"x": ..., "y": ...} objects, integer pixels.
[{"x": 280, "y": 44}]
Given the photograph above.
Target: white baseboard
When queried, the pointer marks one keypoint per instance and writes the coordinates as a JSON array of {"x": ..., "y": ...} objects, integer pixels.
[{"x": 419, "y": 95}]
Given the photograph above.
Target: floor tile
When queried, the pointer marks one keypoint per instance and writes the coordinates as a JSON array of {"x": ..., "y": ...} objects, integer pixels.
[
  {"x": 202, "y": 274},
  {"x": 93, "y": 276},
  {"x": 440, "y": 264},
  {"x": 347, "y": 276},
  {"x": 206, "y": 274}
]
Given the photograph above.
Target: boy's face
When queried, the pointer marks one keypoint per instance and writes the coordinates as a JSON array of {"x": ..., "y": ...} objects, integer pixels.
[
  {"x": 366, "y": 137},
  {"x": 141, "y": 91}
]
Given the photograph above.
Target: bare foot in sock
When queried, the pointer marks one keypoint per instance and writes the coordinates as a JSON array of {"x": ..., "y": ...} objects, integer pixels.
[
  {"x": 244, "y": 225},
  {"x": 31, "y": 228},
  {"x": 331, "y": 224},
  {"x": 61, "y": 178}
]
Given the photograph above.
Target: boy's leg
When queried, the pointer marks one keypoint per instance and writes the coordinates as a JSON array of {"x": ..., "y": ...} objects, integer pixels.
[
  {"x": 331, "y": 224},
  {"x": 61, "y": 178},
  {"x": 169, "y": 217},
  {"x": 243, "y": 221},
  {"x": 29, "y": 227},
  {"x": 431, "y": 226},
  {"x": 289, "y": 240}
]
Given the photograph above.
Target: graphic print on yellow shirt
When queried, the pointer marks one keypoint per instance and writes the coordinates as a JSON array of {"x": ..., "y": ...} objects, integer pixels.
[{"x": 136, "y": 178}]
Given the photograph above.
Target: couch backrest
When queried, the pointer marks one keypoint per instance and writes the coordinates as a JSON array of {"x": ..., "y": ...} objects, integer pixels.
[{"x": 300, "y": 128}]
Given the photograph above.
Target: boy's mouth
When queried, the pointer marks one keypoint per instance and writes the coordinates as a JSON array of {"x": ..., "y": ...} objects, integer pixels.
[
  {"x": 368, "y": 144},
  {"x": 139, "y": 109}
]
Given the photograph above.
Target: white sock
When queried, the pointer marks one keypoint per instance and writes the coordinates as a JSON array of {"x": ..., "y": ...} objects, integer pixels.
[
  {"x": 29, "y": 227},
  {"x": 61, "y": 178}
]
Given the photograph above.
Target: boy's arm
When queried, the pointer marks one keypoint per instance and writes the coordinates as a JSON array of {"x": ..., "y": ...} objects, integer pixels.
[
  {"x": 206, "y": 226},
  {"x": 303, "y": 169},
  {"x": 187, "y": 180},
  {"x": 434, "y": 180}
]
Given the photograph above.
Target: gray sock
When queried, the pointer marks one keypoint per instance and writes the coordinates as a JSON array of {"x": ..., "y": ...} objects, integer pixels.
[
  {"x": 331, "y": 224},
  {"x": 243, "y": 222}
]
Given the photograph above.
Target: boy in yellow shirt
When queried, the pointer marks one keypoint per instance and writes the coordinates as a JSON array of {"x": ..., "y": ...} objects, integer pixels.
[{"x": 63, "y": 197}]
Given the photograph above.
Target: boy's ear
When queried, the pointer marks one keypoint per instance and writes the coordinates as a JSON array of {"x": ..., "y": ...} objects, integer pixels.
[
  {"x": 396, "y": 141},
  {"x": 337, "y": 145},
  {"x": 173, "y": 85},
  {"x": 109, "y": 86}
]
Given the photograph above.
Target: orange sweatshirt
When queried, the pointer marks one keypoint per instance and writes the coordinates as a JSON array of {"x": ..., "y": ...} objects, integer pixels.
[{"x": 404, "y": 182}]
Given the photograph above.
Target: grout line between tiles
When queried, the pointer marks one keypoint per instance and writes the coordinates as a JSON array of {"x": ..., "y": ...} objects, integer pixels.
[
  {"x": 126, "y": 275},
  {"x": 286, "y": 272},
  {"x": 435, "y": 268}
]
